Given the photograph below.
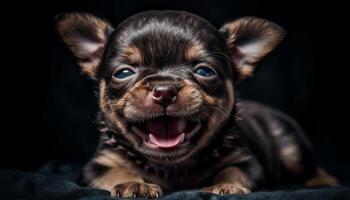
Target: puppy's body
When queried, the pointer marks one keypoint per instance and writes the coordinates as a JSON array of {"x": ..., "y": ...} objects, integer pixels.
[
  {"x": 168, "y": 108},
  {"x": 268, "y": 144}
]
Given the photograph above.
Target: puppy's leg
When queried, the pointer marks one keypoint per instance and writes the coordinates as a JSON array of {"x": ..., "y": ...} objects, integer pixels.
[
  {"x": 297, "y": 156},
  {"x": 321, "y": 178},
  {"x": 236, "y": 180},
  {"x": 106, "y": 172}
]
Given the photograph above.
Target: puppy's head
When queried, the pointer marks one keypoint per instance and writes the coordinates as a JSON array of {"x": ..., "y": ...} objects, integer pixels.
[{"x": 166, "y": 77}]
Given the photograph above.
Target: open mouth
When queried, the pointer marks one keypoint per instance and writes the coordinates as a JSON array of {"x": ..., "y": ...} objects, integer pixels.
[{"x": 166, "y": 132}]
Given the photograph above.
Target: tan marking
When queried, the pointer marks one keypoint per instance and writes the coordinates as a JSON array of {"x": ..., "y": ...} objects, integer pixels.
[
  {"x": 108, "y": 109},
  {"x": 277, "y": 129},
  {"x": 217, "y": 118},
  {"x": 89, "y": 67},
  {"x": 227, "y": 188},
  {"x": 194, "y": 51},
  {"x": 321, "y": 178},
  {"x": 133, "y": 54},
  {"x": 135, "y": 189},
  {"x": 290, "y": 156},
  {"x": 210, "y": 100},
  {"x": 189, "y": 97},
  {"x": 230, "y": 94},
  {"x": 231, "y": 180},
  {"x": 108, "y": 159},
  {"x": 246, "y": 71},
  {"x": 122, "y": 171},
  {"x": 103, "y": 97},
  {"x": 233, "y": 175},
  {"x": 88, "y": 53},
  {"x": 115, "y": 176},
  {"x": 291, "y": 152},
  {"x": 135, "y": 100}
]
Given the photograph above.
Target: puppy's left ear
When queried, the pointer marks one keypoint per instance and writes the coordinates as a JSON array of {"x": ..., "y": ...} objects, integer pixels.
[
  {"x": 86, "y": 36},
  {"x": 250, "y": 39}
]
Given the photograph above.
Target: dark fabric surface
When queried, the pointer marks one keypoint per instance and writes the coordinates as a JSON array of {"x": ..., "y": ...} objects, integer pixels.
[{"x": 57, "y": 181}]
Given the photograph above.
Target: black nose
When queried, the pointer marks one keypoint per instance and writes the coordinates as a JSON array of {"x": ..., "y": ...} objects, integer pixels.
[{"x": 164, "y": 94}]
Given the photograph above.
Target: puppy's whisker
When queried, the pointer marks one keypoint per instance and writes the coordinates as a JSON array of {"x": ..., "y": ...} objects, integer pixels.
[{"x": 223, "y": 110}]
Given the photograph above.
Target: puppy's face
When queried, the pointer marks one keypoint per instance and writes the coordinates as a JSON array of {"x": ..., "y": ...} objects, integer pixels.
[{"x": 166, "y": 77}]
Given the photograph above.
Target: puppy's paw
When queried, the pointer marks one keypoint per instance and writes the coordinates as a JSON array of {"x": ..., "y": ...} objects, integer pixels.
[
  {"x": 227, "y": 188},
  {"x": 137, "y": 189}
]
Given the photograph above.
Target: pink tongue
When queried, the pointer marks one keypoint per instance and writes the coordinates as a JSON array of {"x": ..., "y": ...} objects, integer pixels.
[
  {"x": 166, "y": 132},
  {"x": 166, "y": 143}
]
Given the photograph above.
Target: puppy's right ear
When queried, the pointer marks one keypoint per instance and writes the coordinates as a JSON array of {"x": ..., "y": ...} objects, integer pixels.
[
  {"x": 249, "y": 40},
  {"x": 86, "y": 36}
]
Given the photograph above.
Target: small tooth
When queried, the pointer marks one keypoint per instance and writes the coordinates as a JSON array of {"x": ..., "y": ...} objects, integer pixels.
[
  {"x": 230, "y": 137},
  {"x": 182, "y": 138},
  {"x": 105, "y": 129}
]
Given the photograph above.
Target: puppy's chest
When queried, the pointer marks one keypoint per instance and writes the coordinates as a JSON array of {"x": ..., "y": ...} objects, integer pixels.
[
  {"x": 195, "y": 172},
  {"x": 171, "y": 177}
]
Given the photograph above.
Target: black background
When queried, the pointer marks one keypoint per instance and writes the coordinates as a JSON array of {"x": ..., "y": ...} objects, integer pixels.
[{"x": 50, "y": 107}]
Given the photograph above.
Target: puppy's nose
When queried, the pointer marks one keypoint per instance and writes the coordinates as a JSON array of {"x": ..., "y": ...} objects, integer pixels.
[{"x": 164, "y": 94}]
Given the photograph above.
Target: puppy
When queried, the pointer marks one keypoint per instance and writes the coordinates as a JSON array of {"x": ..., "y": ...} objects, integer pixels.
[{"x": 169, "y": 116}]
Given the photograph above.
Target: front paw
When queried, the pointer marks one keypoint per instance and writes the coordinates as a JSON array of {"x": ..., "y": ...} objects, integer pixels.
[
  {"x": 137, "y": 189},
  {"x": 227, "y": 188}
]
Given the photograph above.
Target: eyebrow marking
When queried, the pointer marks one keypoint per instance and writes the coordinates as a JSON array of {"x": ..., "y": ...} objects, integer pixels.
[
  {"x": 194, "y": 51},
  {"x": 133, "y": 54}
]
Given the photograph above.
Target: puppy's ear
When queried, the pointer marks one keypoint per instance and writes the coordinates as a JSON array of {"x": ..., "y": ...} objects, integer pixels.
[
  {"x": 86, "y": 36},
  {"x": 249, "y": 40}
]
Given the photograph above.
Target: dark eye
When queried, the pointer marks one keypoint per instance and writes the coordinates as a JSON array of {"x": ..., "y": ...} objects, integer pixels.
[
  {"x": 123, "y": 73},
  {"x": 204, "y": 71}
]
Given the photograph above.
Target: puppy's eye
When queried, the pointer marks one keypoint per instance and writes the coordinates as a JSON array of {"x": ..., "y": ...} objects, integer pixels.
[
  {"x": 123, "y": 73},
  {"x": 204, "y": 71}
]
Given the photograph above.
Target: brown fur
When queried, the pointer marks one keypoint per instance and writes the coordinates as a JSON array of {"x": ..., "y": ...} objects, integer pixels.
[
  {"x": 270, "y": 34},
  {"x": 230, "y": 180},
  {"x": 133, "y": 55},
  {"x": 101, "y": 28},
  {"x": 236, "y": 145},
  {"x": 321, "y": 178},
  {"x": 194, "y": 51},
  {"x": 121, "y": 179},
  {"x": 291, "y": 156}
]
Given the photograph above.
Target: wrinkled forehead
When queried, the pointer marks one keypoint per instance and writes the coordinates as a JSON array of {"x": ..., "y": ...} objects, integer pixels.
[{"x": 163, "y": 43}]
